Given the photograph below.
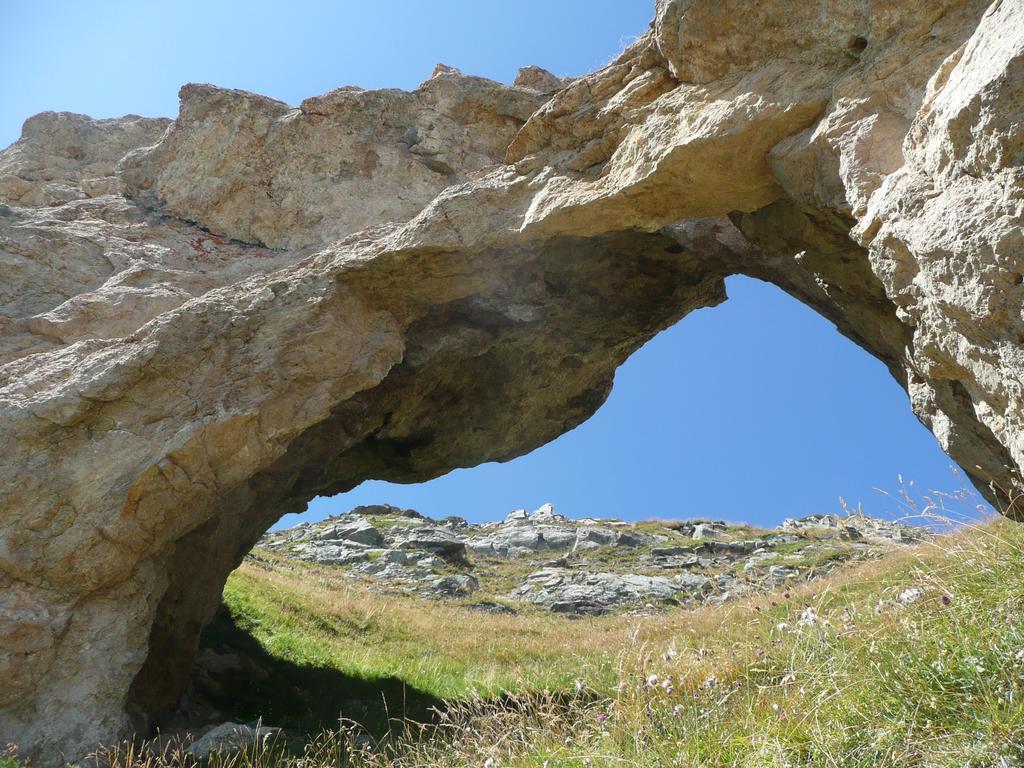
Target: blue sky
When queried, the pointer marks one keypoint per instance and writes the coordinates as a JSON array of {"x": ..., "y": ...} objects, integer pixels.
[{"x": 755, "y": 410}]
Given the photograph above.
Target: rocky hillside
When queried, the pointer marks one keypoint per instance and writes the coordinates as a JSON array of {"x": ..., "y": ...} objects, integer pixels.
[
  {"x": 909, "y": 660},
  {"x": 588, "y": 566}
]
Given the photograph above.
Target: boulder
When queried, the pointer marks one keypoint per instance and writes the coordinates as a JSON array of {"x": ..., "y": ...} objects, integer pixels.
[
  {"x": 563, "y": 590},
  {"x": 704, "y": 531},
  {"x": 228, "y": 738},
  {"x": 455, "y": 585},
  {"x": 437, "y": 541},
  {"x": 354, "y": 531},
  {"x": 594, "y": 537}
]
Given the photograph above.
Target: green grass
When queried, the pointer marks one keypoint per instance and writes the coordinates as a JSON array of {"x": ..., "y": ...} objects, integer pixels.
[{"x": 866, "y": 683}]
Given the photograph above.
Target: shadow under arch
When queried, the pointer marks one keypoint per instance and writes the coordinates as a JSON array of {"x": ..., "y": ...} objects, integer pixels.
[
  {"x": 600, "y": 299},
  {"x": 301, "y": 698}
]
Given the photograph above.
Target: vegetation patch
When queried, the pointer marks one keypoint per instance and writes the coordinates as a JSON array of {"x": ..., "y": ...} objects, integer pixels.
[{"x": 912, "y": 659}]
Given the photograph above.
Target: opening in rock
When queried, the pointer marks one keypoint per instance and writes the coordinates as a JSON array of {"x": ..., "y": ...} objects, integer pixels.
[
  {"x": 780, "y": 417},
  {"x": 755, "y": 410}
]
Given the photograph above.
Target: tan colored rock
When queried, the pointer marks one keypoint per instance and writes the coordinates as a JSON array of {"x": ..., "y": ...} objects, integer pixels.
[
  {"x": 256, "y": 170},
  {"x": 242, "y": 331},
  {"x": 62, "y": 156}
]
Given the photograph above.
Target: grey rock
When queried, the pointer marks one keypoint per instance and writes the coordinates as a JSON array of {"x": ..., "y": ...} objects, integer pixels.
[
  {"x": 327, "y": 553},
  {"x": 672, "y": 551},
  {"x": 437, "y": 541},
  {"x": 425, "y": 560},
  {"x": 62, "y": 156},
  {"x": 228, "y": 738},
  {"x": 524, "y": 537},
  {"x": 732, "y": 549},
  {"x": 356, "y": 530},
  {"x": 394, "y": 556},
  {"x": 706, "y": 531},
  {"x": 458, "y": 584},
  {"x": 578, "y": 592},
  {"x": 546, "y": 514},
  {"x": 588, "y": 538},
  {"x": 632, "y": 539},
  {"x": 857, "y": 527}
]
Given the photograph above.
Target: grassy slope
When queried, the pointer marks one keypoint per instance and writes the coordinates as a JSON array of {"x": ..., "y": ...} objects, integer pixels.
[{"x": 747, "y": 684}]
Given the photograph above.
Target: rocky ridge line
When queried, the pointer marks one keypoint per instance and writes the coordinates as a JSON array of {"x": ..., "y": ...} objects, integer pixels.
[{"x": 586, "y": 566}]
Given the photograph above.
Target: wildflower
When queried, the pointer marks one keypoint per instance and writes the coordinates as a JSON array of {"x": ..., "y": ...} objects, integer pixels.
[
  {"x": 946, "y": 599},
  {"x": 489, "y": 763},
  {"x": 711, "y": 682},
  {"x": 808, "y": 617},
  {"x": 651, "y": 682},
  {"x": 580, "y": 684},
  {"x": 601, "y": 717}
]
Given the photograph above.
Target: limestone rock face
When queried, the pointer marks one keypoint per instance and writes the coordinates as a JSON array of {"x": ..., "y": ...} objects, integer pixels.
[
  {"x": 62, "y": 156},
  {"x": 229, "y": 326},
  {"x": 256, "y": 170}
]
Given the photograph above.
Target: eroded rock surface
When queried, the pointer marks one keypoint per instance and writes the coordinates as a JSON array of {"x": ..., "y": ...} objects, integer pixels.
[{"x": 189, "y": 351}]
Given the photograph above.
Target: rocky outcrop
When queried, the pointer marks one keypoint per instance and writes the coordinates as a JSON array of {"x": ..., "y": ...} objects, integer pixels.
[
  {"x": 601, "y": 566},
  {"x": 562, "y": 590},
  {"x": 234, "y": 329},
  {"x": 62, "y": 157},
  {"x": 290, "y": 177}
]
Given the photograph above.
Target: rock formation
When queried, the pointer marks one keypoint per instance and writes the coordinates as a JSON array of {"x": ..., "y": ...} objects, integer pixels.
[
  {"x": 600, "y": 565},
  {"x": 264, "y": 304}
]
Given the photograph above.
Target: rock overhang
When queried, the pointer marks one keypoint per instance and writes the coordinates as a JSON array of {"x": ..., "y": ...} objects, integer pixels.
[{"x": 189, "y": 350}]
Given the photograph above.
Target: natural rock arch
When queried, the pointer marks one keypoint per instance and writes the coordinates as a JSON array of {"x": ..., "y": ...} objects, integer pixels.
[{"x": 221, "y": 327}]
